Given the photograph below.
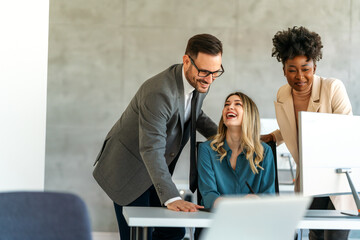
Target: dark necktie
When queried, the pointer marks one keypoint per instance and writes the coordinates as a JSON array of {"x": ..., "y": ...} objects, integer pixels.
[{"x": 193, "y": 167}]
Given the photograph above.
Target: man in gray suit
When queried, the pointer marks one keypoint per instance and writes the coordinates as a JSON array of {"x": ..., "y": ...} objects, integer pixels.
[{"x": 139, "y": 154}]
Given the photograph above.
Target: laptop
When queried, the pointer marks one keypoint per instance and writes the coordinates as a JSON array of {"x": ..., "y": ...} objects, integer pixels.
[{"x": 271, "y": 218}]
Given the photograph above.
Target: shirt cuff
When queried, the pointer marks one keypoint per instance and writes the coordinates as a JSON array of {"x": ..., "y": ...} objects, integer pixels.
[{"x": 172, "y": 200}]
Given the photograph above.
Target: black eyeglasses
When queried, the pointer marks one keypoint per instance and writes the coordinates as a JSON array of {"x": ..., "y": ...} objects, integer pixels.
[{"x": 205, "y": 73}]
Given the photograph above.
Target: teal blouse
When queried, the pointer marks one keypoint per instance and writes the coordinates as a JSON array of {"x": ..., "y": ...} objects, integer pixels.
[{"x": 218, "y": 178}]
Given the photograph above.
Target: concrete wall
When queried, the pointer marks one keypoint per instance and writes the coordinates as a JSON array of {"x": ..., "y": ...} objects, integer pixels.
[{"x": 101, "y": 51}]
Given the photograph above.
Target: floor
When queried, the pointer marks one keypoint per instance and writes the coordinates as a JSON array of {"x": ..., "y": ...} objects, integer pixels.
[
  {"x": 354, "y": 235},
  {"x": 105, "y": 236}
]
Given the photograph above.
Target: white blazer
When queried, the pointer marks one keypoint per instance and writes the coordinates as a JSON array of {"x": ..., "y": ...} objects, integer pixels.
[{"x": 328, "y": 96}]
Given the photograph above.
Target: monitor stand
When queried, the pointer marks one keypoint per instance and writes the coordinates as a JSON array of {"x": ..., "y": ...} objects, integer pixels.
[{"x": 353, "y": 190}]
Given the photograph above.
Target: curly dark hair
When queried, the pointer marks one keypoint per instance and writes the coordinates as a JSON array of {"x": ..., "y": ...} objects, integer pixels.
[{"x": 296, "y": 41}]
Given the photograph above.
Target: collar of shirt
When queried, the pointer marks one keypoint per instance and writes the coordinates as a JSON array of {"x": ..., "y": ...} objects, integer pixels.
[
  {"x": 228, "y": 150},
  {"x": 188, "y": 89},
  {"x": 226, "y": 146},
  {"x": 241, "y": 157}
]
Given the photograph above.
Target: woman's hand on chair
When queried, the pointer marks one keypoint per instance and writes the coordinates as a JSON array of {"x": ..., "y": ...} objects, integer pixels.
[{"x": 267, "y": 138}]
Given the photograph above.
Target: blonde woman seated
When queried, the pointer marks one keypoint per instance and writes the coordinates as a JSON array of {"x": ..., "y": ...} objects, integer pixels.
[{"x": 235, "y": 156}]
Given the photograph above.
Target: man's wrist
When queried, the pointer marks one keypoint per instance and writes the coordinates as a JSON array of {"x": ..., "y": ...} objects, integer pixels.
[{"x": 172, "y": 200}]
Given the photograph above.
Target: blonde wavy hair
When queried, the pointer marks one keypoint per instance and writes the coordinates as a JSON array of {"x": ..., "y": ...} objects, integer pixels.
[{"x": 250, "y": 134}]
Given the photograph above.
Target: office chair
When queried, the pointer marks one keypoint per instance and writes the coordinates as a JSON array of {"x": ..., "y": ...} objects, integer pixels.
[
  {"x": 272, "y": 144},
  {"x": 43, "y": 215}
]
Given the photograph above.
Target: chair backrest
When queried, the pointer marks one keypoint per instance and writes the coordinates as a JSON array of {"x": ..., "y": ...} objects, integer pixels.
[
  {"x": 272, "y": 144},
  {"x": 43, "y": 215}
]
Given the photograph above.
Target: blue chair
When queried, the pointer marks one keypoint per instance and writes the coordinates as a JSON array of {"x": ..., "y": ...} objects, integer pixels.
[{"x": 43, "y": 215}]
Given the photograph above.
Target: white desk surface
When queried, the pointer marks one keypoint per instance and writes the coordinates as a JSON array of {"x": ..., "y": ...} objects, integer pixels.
[
  {"x": 162, "y": 217},
  {"x": 333, "y": 223}
]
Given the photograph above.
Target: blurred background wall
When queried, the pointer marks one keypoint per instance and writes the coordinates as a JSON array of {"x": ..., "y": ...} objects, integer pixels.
[
  {"x": 23, "y": 90},
  {"x": 100, "y": 52}
]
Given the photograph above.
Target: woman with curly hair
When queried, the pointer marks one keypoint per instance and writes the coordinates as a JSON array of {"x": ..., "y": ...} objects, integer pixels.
[
  {"x": 299, "y": 50},
  {"x": 235, "y": 156}
]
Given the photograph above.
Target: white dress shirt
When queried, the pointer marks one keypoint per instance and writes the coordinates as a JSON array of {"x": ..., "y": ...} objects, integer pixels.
[{"x": 188, "y": 93}]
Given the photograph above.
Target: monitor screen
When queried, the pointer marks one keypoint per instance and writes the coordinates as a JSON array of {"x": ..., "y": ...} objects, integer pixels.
[{"x": 328, "y": 142}]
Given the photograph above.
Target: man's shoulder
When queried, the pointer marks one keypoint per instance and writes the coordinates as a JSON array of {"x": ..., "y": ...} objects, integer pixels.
[
  {"x": 165, "y": 81},
  {"x": 168, "y": 74}
]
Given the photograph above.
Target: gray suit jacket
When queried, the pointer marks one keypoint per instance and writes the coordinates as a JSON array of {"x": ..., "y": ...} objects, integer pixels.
[{"x": 141, "y": 145}]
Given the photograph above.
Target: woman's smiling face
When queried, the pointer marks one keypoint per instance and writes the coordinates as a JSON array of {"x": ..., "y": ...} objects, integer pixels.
[
  {"x": 299, "y": 72},
  {"x": 233, "y": 111}
]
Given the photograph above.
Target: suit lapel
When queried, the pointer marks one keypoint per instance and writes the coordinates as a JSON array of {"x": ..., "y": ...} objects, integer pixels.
[
  {"x": 181, "y": 97},
  {"x": 285, "y": 106},
  {"x": 285, "y": 115},
  {"x": 314, "y": 103}
]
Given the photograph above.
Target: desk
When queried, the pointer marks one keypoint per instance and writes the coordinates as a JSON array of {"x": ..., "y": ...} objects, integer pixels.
[
  {"x": 331, "y": 222},
  {"x": 140, "y": 218}
]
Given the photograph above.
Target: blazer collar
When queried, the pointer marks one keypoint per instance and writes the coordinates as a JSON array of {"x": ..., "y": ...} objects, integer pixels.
[
  {"x": 286, "y": 95},
  {"x": 314, "y": 103},
  {"x": 286, "y": 102},
  {"x": 181, "y": 96}
]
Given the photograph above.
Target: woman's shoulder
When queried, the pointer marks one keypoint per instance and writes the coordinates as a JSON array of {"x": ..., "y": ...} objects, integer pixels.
[
  {"x": 205, "y": 152},
  {"x": 267, "y": 150},
  {"x": 284, "y": 87},
  {"x": 205, "y": 145},
  {"x": 330, "y": 86},
  {"x": 283, "y": 92},
  {"x": 327, "y": 82},
  {"x": 268, "y": 155},
  {"x": 266, "y": 147}
]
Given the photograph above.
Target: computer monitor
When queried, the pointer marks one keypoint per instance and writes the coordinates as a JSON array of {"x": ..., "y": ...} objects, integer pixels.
[{"x": 327, "y": 143}]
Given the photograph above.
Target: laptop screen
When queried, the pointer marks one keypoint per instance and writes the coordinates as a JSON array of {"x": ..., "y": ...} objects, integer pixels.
[{"x": 256, "y": 218}]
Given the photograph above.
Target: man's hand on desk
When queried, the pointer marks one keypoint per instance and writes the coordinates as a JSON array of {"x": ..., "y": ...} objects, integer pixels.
[{"x": 184, "y": 206}]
